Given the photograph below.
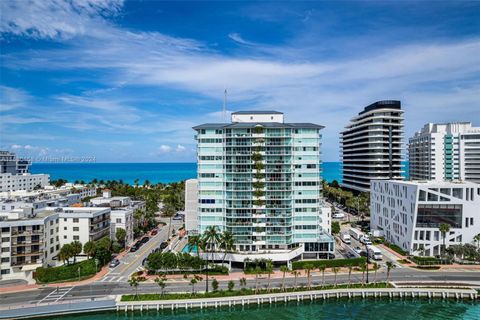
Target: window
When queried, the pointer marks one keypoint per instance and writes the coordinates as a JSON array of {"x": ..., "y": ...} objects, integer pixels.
[
  {"x": 6, "y": 239},
  {"x": 432, "y": 215},
  {"x": 5, "y": 271},
  {"x": 76, "y": 229},
  {"x": 5, "y": 260},
  {"x": 119, "y": 220},
  {"x": 64, "y": 236},
  {"x": 5, "y": 249},
  {"x": 76, "y": 237}
]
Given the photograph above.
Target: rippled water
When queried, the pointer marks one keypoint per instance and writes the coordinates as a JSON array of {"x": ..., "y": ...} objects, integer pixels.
[{"x": 332, "y": 309}]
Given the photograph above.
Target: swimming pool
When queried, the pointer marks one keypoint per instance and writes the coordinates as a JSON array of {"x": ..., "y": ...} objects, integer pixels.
[{"x": 187, "y": 249}]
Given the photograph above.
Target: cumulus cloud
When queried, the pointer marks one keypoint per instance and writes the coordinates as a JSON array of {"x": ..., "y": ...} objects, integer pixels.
[
  {"x": 180, "y": 148},
  {"x": 165, "y": 148},
  {"x": 54, "y": 19}
]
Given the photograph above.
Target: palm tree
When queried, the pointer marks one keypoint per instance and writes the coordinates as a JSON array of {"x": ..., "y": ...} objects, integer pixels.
[
  {"x": 66, "y": 252},
  {"x": 284, "y": 269},
  {"x": 363, "y": 267},
  {"x": 308, "y": 270},
  {"x": 89, "y": 248},
  {"x": 322, "y": 268},
  {"x": 257, "y": 272},
  {"x": 349, "y": 274},
  {"x": 477, "y": 240},
  {"x": 444, "y": 228},
  {"x": 193, "y": 281},
  {"x": 269, "y": 270},
  {"x": 162, "y": 282},
  {"x": 211, "y": 237},
  {"x": 243, "y": 283},
  {"x": 133, "y": 282},
  {"x": 194, "y": 241},
  {"x": 295, "y": 273},
  {"x": 169, "y": 211},
  {"x": 227, "y": 244},
  {"x": 335, "y": 271},
  {"x": 390, "y": 266},
  {"x": 76, "y": 250},
  {"x": 375, "y": 267}
]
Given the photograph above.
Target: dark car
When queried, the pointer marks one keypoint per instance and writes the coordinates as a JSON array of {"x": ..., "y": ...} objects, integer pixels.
[
  {"x": 114, "y": 263},
  {"x": 144, "y": 240},
  {"x": 163, "y": 245}
]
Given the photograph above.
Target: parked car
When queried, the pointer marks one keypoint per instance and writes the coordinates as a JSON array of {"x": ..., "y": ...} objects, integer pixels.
[
  {"x": 358, "y": 250},
  {"x": 144, "y": 240},
  {"x": 338, "y": 215},
  {"x": 114, "y": 263},
  {"x": 154, "y": 232},
  {"x": 163, "y": 245}
]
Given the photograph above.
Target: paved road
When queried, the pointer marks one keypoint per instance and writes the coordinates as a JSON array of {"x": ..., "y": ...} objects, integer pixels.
[
  {"x": 133, "y": 260},
  {"x": 102, "y": 289}
]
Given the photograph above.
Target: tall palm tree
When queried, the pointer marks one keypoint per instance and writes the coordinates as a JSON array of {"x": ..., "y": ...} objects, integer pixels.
[
  {"x": 308, "y": 270},
  {"x": 169, "y": 211},
  {"x": 194, "y": 241},
  {"x": 269, "y": 270},
  {"x": 322, "y": 268},
  {"x": 295, "y": 273},
  {"x": 444, "y": 228},
  {"x": 227, "y": 244},
  {"x": 257, "y": 272},
  {"x": 390, "y": 266},
  {"x": 284, "y": 269},
  {"x": 376, "y": 266},
  {"x": 211, "y": 237},
  {"x": 335, "y": 271},
  {"x": 349, "y": 274}
]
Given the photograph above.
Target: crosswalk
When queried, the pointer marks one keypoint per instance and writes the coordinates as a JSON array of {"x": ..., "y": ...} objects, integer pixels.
[
  {"x": 56, "y": 295},
  {"x": 113, "y": 279}
]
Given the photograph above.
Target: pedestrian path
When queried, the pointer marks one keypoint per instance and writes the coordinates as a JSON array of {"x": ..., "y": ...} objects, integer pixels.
[
  {"x": 56, "y": 295},
  {"x": 113, "y": 279}
]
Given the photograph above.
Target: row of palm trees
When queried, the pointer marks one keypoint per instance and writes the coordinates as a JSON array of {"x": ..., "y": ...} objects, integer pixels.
[{"x": 211, "y": 240}]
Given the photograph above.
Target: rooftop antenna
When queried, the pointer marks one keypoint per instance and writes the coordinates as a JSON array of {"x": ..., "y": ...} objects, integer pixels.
[{"x": 224, "y": 113}]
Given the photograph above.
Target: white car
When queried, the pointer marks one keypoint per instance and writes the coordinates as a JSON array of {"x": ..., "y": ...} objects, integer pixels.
[
  {"x": 358, "y": 250},
  {"x": 338, "y": 215}
]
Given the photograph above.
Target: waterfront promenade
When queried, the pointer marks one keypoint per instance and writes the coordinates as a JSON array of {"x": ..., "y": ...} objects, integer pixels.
[{"x": 115, "y": 303}]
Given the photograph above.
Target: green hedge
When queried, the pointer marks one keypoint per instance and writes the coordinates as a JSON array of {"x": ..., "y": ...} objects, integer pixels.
[
  {"x": 396, "y": 248},
  {"x": 66, "y": 272},
  {"x": 330, "y": 263}
]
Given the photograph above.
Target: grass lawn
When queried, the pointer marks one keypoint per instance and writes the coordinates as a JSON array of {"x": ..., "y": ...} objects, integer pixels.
[
  {"x": 66, "y": 272},
  {"x": 242, "y": 292}
]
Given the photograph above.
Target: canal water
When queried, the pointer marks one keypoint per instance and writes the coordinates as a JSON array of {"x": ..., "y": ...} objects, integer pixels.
[{"x": 331, "y": 309}]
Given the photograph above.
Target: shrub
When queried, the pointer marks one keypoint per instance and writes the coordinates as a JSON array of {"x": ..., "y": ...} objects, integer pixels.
[
  {"x": 330, "y": 263},
  {"x": 396, "y": 248},
  {"x": 215, "y": 284},
  {"x": 66, "y": 272}
]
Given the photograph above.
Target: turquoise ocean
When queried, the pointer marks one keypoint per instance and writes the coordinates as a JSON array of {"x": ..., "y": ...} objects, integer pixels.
[{"x": 153, "y": 172}]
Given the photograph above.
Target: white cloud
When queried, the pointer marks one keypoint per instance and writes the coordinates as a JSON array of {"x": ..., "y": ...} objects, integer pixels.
[
  {"x": 165, "y": 148},
  {"x": 238, "y": 38},
  {"x": 54, "y": 19},
  {"x": 12, "y": 98},
  {"x": 180, "y": 148}
]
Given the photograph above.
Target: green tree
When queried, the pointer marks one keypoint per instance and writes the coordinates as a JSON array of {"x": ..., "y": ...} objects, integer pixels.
[
  {"x": 76, "y": 249},
  {"x": 335, "y": 227},
  {"x": 66, "y": 252},
  {"x": 257, "y": 271},
  {"x": 284, "y": 270},
  {"x": 134, "y": 282},
  {"x": 308, "y": 271},
  {"x": 231, "y": 285},
  {"x": 193, "y": 281},
  {"x": 215, "y": 285},
  {"x": 243, "y": 283},
  {"x": 390, "y": 266},
  {"x": 335, "y": 272},
  {"x": 89, "y": 248},
  {"x": 268, "y": 270},
  {"x": 375, "y": 268},
  {"x": 322, "y": 268},
  {"x": 227, "y": 244},
  {"x": 162, "y": 283},
  {"x": 477, "y": 240},
  {"x": 444, "y": 228},
  {"x": 295, "y": 273},
  {"x": 168, "y": 211},
  {"x": 211, "y": 237},
  {"x": 194, "y": 241},
  {"x": 350, "y": 268},
  {"x": 121, "y": 235}
]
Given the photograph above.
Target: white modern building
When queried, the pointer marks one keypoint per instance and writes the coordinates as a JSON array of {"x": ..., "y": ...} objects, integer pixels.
[
  {"x": 446, "y": 151},
  {"x": 14, "y": 174},
  {"x": 122, "y": 219},
  {"x": 372, "y": 146},
  {"x": 191, "y": 206},
  {"x": 259, "y": 178},
  {"x": 83, "y": 224},
  {"x": 28, "y": 241},
  {"x": 409, "y": 213}
]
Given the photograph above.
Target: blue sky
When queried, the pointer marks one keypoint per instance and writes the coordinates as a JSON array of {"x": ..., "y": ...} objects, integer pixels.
[{"x": 126, "y": 81}]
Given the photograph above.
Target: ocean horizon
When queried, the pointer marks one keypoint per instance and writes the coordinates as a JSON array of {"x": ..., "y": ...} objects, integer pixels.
[{"x": 163, "y": 172}]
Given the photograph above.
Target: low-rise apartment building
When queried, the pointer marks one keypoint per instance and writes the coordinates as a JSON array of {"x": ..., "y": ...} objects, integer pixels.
[
  {"x": 122, "y": 219},
  {"x": 409, "y": 213}
]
